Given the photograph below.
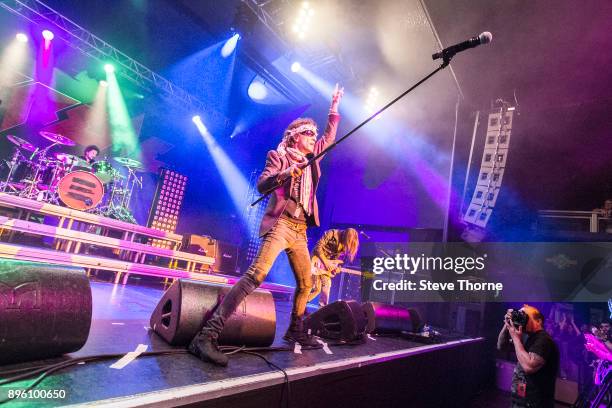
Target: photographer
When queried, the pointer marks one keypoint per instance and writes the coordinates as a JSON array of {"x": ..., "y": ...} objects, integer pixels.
[{"x": 533, "y": 380}]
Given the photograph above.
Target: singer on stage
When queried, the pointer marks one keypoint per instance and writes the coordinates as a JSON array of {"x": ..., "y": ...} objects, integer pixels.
[{"x": 291, "y": 209}]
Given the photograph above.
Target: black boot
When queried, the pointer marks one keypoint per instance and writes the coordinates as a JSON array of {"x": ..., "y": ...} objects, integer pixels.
[
  {"x": 295, "y": 333},
  {"x": 206, "y": 348}
]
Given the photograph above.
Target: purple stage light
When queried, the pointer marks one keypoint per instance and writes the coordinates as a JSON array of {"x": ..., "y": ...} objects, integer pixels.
[{"x": 48, "y": 35}]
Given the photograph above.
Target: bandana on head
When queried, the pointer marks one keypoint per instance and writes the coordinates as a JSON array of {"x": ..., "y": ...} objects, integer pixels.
[
  {"x": 284, "y": 144},
  {"x": 303, "y": 128}
]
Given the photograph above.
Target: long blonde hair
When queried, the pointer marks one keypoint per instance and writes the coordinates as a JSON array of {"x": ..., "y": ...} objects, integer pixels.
[{"x": 349, "y": 238}]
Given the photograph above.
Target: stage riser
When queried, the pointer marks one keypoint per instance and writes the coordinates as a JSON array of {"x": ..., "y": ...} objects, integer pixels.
[{"x": 437, "y": 378}]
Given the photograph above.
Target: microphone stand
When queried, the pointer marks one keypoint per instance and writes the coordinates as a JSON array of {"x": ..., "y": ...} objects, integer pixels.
[{"x": 446, "y": 60}]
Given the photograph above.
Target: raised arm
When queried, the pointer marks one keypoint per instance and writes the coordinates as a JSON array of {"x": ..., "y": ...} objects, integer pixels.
[
  {"x": 503, "y": 339},
  {"x": 530, "y": 361},
  {"x": 329, "y": 136}
]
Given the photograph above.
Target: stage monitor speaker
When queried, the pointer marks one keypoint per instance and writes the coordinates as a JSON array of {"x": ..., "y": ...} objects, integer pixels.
[
  {"x": 386, "y": 319},
  {"x": 187, "y": 305},
  {"x": 45, "y": 310},
  {"x": 340, "y": 320}
]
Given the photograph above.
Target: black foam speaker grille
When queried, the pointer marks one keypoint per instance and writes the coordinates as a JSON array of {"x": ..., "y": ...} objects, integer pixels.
[
  {"x": 45, "y": 310},
  {"x": 340, "y": 320},
  {"x": 187, "y": 305}
]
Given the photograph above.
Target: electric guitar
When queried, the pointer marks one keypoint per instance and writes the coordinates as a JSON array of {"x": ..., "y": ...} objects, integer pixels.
[{"x": 319, "y": 269}]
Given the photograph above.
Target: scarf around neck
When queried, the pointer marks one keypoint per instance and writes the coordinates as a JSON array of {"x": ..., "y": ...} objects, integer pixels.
[{"x": 297, "y": 157}]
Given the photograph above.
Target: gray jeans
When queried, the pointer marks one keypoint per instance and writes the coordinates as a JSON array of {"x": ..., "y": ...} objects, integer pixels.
[{"x": 281, "y": 237}]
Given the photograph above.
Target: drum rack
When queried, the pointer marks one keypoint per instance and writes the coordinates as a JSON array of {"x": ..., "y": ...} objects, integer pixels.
[{"x": 72, "y": 236}]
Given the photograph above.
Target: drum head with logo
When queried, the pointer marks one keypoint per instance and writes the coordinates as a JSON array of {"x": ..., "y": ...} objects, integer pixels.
[{"x": 80, "y": 190}]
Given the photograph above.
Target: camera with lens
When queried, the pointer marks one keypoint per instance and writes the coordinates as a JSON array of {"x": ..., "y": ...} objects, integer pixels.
[{"x": 519, "y": 318}]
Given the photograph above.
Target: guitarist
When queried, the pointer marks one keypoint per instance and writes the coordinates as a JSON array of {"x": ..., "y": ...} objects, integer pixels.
[{"x": 333, "y": 245}]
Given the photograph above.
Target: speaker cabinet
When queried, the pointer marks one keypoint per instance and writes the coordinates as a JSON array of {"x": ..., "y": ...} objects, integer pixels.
[
  {"x": 45, "y": 310},
  {"x": 200, "y": 244},
  {"x": 226, "y": 255},
  {"x": 340, "y": 320},
  {"x": 187, "y": 305},
  {"x": 386, "y": 319},
  {"x": 226, "y": 260}
]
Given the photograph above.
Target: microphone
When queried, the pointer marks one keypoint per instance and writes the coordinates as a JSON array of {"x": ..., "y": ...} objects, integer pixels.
[
  {"x": 364, "y": 234},
  {"x": 449, "y": 52}
]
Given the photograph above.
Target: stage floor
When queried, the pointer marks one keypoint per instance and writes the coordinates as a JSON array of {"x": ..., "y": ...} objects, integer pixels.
[{"x": 121, "y": 322}]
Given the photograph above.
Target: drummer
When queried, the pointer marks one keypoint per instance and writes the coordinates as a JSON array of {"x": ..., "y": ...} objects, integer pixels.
[{"x": 90, "y": 153}]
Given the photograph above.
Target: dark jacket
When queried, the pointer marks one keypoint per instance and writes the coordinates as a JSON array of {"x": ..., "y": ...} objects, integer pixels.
[{"x": 279, "y": 198}]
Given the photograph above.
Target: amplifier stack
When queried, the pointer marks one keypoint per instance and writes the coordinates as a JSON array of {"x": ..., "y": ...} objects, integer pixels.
[{"x": 226, "y": 255}]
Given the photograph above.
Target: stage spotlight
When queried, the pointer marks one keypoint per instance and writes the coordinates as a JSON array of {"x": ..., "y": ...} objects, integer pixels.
[
  {"x": 21, "y": 37},
  {"x": 371, "y": 101},
  {"x": 257, "y": 91},
  {"x": 47, "y": 35},
  {"x": 196, "y": 119},
  {"x": 296, "y": 66},
  {"x": 230, "y": 45},
  {"x": 103, "y": 83},
  {"x": 235, "y": 182},
  {"x": 123, "y": 136},
  {"x": 301, "y": 24}
]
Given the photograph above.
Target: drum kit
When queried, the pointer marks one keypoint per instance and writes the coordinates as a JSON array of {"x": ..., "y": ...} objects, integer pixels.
[{"x": 65, "y": 179}]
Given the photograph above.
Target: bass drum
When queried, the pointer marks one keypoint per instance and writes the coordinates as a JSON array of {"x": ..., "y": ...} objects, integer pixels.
[{"x": 80, "y": 190}]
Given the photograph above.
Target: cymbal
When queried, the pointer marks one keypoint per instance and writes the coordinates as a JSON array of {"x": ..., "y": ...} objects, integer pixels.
[
  {"x": 56, "y": 138},
  {"x": 127, "y": 162},
  {"x": 66, "y": 158},
  {"x": 19, "y": 142}
]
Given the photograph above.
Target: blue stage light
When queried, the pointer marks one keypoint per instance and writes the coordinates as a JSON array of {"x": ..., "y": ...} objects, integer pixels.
[
  {"x": 296, "y": 66},
  {"x": 196, "y": 119},
  {"x": 257, "y": 91},
  {"x": 236, "y": 184},
  {"x": 230, "y": 45}
]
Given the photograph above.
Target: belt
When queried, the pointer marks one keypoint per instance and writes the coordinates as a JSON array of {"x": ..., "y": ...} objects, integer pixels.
[{"x": 295, "y": 226}]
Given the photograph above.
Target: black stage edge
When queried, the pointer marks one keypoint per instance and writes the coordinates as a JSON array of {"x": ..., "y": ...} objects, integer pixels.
[
  {"x": 440, "y": 375},
  {"x": 384, "y": 371}
]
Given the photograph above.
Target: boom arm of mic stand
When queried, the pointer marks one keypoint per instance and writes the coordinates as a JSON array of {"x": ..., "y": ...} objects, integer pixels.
[{"x": 359, "y": 126}]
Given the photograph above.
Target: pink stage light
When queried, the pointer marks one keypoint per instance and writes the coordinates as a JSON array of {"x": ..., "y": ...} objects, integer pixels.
[{"x": 48, "y": 35}]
